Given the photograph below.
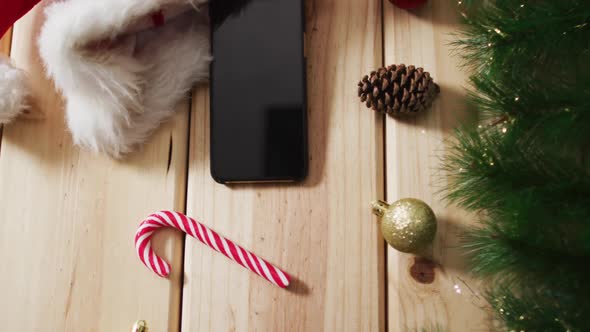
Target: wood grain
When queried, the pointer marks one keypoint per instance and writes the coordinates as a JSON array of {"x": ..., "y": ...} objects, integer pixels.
[
  {"x": 68, "y": 219},
  {"x": 322, "y": 231},
  {"x": 422, "y": 293},
  {"x": 5, "y": 42}
]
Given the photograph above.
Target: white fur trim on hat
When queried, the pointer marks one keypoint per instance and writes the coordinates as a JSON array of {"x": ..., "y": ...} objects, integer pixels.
[
  {"x": 14, "y": 91},
  {"x": 120, "y": 83}
]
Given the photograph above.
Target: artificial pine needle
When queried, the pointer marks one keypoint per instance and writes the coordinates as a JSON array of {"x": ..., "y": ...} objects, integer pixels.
[{"x": 525, "y": 169}]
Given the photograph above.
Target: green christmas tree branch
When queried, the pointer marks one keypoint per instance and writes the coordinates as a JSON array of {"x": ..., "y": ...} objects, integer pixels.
[{"x": 525, "y": 169}]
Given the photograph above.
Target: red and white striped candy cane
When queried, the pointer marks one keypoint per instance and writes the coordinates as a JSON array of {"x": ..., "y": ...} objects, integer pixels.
[{"x": 204, "y": 234}]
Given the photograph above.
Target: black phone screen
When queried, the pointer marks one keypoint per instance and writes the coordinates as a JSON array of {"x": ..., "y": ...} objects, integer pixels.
[{"x": 258, "y": 109}]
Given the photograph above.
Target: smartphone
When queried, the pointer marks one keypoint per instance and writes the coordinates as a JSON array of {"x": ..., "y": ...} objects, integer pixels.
[{"x": 258, "y": 91}]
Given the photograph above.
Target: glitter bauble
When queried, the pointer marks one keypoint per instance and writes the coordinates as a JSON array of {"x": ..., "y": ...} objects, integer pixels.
[
  {"x": 408, "y": 225},
  {"x": 140, "y": 326}
]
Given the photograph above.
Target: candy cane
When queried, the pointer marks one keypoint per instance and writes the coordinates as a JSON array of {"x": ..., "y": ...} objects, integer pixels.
[{"x": 208, "y": 237}]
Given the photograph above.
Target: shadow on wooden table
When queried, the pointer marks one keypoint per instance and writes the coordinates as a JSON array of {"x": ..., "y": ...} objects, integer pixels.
[
  {"x": 439, "y": 12},
  {"x": 451, "y": 100},
  {"x": 454, "y": 262},
  {"x": 445, "y": 253},
  {"x": 298, "y": 287},
  {"x": 445, "y": 260}
]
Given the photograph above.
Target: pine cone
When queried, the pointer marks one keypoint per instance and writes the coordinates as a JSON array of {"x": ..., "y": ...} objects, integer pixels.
[{"x": 398, "y": 90}]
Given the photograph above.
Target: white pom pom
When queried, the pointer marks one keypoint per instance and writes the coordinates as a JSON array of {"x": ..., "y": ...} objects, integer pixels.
[
  {"x": 118, "y": 95},
  {"x": 13, "y": 91}
]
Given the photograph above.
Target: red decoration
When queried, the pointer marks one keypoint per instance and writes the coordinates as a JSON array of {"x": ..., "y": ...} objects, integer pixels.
[
  {"x": 12, "y": 10},
  {"x": 408, "y": 4}
]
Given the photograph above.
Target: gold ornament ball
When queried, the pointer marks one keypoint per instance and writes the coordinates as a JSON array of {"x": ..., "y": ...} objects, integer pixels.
[
  {"x": 408, "y": 225},
  {"x": 140, "y": 326}
]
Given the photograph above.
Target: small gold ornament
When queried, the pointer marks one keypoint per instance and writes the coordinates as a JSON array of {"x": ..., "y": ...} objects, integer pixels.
[
  {"x": 140, "y": 326},
  {"x": 408, "y": 225}
]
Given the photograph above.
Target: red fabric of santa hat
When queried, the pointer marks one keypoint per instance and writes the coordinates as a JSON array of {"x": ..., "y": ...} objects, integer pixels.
[{"x": 12, "y": 10}]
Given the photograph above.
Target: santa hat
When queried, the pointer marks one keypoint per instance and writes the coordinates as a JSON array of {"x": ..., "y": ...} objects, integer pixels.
[
  {"x": 13, "y": 84},
  {"x": 122, "y": 66},
  {"x": 12, "y": 10}
]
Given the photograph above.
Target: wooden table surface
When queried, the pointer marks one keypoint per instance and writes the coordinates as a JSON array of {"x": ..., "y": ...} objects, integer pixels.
[{"x": 68, "y": 217}]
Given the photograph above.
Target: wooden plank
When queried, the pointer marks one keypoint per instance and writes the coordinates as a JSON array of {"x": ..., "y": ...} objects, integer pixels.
[
  {"x": 5, "y": 42},
  {"x": 322, "y": 231},
  {"x": 413, "y": 153},
  {"x": 68, "y": 219}
]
